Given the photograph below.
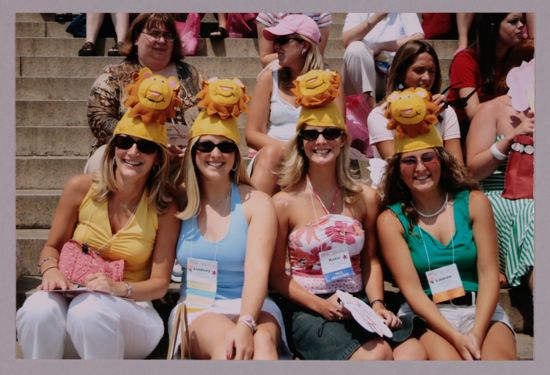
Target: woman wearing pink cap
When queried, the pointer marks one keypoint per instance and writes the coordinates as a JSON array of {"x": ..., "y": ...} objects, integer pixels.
[{"x": 273, "y": 112}]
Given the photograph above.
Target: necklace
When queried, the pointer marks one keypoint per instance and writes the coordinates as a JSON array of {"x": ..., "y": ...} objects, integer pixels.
[{"x": 440, "y": 210}]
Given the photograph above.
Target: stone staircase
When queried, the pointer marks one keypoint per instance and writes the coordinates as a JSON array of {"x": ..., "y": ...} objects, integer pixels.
[{"x": 52, "y": 135}]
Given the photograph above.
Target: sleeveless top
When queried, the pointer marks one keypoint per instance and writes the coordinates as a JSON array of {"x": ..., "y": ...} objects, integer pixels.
[
  {"x": 134, "y": 242},
  {"x": 229, "y": 251},
  {"x": 428, "y": 253},
  {"x": 329, "y": 232},
  {"x": 282, "y": 115}
]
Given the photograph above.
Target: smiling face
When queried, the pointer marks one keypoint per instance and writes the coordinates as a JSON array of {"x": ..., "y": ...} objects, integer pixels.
[
  {"x": 214, "y": 165},
  {"x": 154, "y": 53},
  {"x": 420, "y": 170},
  {"x": 421, "y": 73},
  {"x": 131, "y": 163},
  {"x": 155, "y": 91},
  {"x": 511, "y": 29},
  {"x": 322, "y": 150},
  {"x": 408, "y": 107}
]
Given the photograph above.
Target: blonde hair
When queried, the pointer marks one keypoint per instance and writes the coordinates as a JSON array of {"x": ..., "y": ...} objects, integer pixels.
[
  {"x": 191, "y": 177},
  {"x": 105, "y": 180},
  {"x": 296, "y": 165},
  {"x": 313, "y": 60}
]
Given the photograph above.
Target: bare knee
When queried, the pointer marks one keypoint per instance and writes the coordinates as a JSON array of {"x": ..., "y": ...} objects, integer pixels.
[
  {"x": 265, "y": 345},
  {"x": 355, "y": 50},
  {"x": 410, "y": 350},
  {"x": 270, "y": 157},
  {"x": 376, "y": 350}
]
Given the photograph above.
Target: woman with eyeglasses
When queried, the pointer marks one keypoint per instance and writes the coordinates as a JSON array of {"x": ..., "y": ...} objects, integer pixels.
[
  {"x": 226, "y": 240},
  {"x": 475, "y": 71},
  {"x": 152, "y": 42},
  {"x": 415, "y": 65},
  {"x": 323, "y": 213},
  {"x": 124, "y": 213},
  {"x": 492, "y": 138},
  {"x": 273, "y": 112},
  {"x": 438, "y": 238}
]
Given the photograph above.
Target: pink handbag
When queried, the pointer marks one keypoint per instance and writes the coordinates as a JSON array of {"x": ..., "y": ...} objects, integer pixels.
[
  {"x": 357, "y": 112},
  {"x": 188, "y": 32},
  {"x": 76, "y": 261}
]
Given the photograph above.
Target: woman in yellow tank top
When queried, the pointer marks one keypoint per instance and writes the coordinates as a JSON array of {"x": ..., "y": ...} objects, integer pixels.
[{"x": 125, "y": 211}]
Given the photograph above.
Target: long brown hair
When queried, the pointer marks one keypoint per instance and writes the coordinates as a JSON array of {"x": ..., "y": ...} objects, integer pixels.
[{"x": 454, "y": 178}]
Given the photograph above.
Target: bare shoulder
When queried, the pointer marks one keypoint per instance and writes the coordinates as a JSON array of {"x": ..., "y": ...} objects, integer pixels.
[
  {"x": 478, "y": 200},
  {"x": 251, "y": 197},
  {"x": 387, "y": 219},
  {"x": 283, "y": 199},
  {"x": 79, "y": 184},
  {"x": 266, "y": 78}
]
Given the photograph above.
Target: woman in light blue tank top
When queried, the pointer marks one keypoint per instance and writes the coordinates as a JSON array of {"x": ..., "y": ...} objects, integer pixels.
[{"x": 225, "y": 246}]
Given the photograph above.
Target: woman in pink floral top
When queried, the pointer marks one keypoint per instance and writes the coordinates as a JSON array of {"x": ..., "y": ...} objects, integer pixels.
[{"x": 325, "y": 215}]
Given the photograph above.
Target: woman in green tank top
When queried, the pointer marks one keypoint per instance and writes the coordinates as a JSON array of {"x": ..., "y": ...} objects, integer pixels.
[{"x": 438, "y": 239}]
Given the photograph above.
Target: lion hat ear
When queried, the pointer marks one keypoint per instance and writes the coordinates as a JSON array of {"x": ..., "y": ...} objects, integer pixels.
[{"x": 222, "y": 101}]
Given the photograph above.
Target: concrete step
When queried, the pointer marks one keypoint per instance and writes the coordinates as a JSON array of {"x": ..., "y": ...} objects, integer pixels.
[
  {"x": 53, "y": 141},
  {"x": 71, "y": 88},
  {"x": 45, "y": 172},
  {"x": 60, "y": 113},
  {"x": 92, "y": 66},
  {"x": 34, "y": 208},
  {"x": 238, "y": 47},
  {"x": 34, "y": 17}
]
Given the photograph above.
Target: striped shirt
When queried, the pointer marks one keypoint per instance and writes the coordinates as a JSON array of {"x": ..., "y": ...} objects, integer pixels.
[{"x": 271, "y": 19}]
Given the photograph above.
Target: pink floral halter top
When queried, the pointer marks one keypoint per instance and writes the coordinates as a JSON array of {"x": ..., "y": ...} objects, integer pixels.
[{"x": 329, "y": 232}]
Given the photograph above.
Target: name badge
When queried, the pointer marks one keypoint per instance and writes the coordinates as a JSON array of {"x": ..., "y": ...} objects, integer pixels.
[
  {"x": 445, "y": 283},
  {"x": 335, "y": 264},
  {"x": 202, "y": 281}
]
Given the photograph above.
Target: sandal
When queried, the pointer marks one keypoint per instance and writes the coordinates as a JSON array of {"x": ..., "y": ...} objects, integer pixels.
[
  {"x": 219, "y": 34},
  {"x": 88, "y": 49},
  {"x": 113, "y": 51}
]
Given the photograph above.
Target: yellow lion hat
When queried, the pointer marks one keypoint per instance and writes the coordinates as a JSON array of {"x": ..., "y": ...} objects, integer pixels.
[
  {"x": 152, "y": 99},
  {"x": 315, "y": 91},
  {"x": 413, "y": 115},
  {"x": 222, "y": 102}
]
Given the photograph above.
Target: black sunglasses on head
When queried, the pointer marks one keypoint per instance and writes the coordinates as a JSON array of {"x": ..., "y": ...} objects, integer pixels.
[
  {"x": 208, "y": 146},
  {"x": 461, "y": 103},
  {"x": 329, "y": 134},
  {"x": 126, "y": 142}
]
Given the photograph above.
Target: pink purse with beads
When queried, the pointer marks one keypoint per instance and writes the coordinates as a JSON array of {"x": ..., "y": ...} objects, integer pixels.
[{"x": 76, "y": 261}]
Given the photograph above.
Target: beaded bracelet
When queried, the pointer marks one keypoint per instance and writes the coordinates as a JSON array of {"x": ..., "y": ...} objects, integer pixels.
[{"x": 379, "y": 301}]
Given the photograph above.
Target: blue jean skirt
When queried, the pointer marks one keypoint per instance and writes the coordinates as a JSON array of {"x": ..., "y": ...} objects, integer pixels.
[{"x": 315, "y": 338}]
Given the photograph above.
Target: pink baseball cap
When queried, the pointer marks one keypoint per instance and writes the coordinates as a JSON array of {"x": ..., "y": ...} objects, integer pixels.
[{"x": 294, "y": 24}]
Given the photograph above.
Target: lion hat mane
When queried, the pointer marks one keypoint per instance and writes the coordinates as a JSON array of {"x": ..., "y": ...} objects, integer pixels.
[
  {"x": 152, "y": 97},
  {"x": 223, "y": 97}
]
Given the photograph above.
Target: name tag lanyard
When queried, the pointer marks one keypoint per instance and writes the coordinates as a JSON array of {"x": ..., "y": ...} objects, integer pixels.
[{"x": 426, "y": 248}]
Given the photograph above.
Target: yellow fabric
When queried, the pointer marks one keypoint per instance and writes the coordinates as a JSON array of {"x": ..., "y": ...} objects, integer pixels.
[
  {"x": 315, "y": 91},
  {"x": 420, "y": 142},
  {"x": 213, "y": 125},
  {"x": 133, "y": 243},
  {"x": 222, "y": 102},
  {"x": 137, "y": 128}
]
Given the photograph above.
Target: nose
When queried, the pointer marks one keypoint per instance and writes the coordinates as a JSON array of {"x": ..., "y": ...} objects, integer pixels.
[
  {"x": 133, "y": 150},
  {"x": 321, "y": 139},
  {"x": 215, "y": 152}
]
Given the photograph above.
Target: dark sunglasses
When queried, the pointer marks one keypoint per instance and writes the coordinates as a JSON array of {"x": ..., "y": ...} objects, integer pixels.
[
  {"x": 208, "y": 146},
  {"x": 125, "y": 142},
  {"x": 282, "y": 40},
  {"x": 329, "y": 134},
  {"x": 425, "y": 158},
  {"x": 461, "y": 103}
]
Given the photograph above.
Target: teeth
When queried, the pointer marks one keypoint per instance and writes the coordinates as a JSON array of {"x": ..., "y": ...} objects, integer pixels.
[
  {"x": 422, "y": 178},
  {"x": 322, "y": 152},
  {"x": 215, "y": 165},
  {"x": 133, "y": 163}
]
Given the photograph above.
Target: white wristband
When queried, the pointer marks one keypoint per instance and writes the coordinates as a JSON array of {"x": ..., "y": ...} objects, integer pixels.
[{"x": 496, "y": 152}]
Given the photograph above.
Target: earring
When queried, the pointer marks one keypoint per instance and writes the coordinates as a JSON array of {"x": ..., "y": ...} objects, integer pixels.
[
  {"x": 235, "y": 166},
  {"x": 303, "y": 52}
]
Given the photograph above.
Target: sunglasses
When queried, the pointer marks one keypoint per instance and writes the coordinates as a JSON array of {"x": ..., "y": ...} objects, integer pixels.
[
  {"x": 329, "y": 134},
  {"x": 282, "y": 40},
  {"x": 156, "y": 35},
  {"x": 208, "y": 146},
  {"x": 461, "y": 103},
  {"x": 125, "y": 142},
  {"x": 425, "y": 158}
]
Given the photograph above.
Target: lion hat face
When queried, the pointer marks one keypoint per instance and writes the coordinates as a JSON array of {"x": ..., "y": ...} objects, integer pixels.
[
  {"x": 222, "y": 101},
  {"x": 412, "y": 114}
]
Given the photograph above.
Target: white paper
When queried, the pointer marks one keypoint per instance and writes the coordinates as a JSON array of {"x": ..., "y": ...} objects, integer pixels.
[{"x": 364, "y": 314}]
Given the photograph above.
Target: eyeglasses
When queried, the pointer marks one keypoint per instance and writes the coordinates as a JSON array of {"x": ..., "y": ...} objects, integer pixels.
[
  {"x": 425, "y": 158},
  {"x": 329, "y": 134},
  {"x": 156, "y": 35},
  {"x": 461, "y": 103},
  {"x": 208, "y": 146},
  {"x": 282, "y": 40},
  {"x": 125, "y": 142}
]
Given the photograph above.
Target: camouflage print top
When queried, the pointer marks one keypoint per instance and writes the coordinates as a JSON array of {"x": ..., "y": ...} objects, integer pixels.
[{"x": 105, "y": 103}]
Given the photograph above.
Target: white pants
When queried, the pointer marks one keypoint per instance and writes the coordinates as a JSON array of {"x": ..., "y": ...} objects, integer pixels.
[
  {"x": 360, "y": 73},
  {"x": 96, "y": 325}
]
